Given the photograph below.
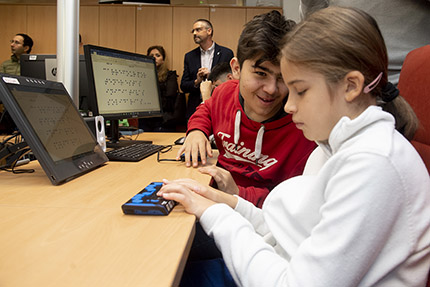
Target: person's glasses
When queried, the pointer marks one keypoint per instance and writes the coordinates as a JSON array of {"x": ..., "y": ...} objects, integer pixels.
[
  {"x": 15, "y": 42},
  {"x": 197, "y": 30}
]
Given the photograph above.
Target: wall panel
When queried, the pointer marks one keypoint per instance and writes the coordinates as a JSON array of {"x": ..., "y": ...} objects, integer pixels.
[
  {"x": 148, "y": 33},
  {"x": 42, "y": 28},
  {"x": 228, "y": 24},
  {"x": 13, "y": 20},
  {"x": 89, "y": 24},
  {"x": 118, "y": 27},
  {"x": 126, "y": 27}
]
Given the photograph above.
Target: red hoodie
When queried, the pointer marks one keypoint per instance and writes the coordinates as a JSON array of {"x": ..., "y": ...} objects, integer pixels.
[{"x": 280, "y": 147}]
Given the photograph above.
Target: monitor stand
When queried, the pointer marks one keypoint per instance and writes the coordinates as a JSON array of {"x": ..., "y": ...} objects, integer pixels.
[{"x": 114, "y": 139}]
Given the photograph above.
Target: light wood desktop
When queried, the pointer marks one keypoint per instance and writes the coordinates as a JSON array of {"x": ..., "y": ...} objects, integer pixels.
[{"x": 75, "y": 234}]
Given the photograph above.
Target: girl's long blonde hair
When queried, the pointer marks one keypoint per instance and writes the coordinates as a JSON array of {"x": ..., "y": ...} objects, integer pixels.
[{"x": 336, "y": 40}]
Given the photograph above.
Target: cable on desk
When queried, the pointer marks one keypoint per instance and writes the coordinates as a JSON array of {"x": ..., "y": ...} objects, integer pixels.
[
  {"x": 166, "y": 149},
  {"x": 15, "y": 163},
  {"x": 17, "y": 151}
]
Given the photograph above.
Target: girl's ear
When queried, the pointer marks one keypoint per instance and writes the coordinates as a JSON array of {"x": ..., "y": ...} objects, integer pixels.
[
  {"x": 354, "y": 82},
  {"x": 235, "y": 68}
]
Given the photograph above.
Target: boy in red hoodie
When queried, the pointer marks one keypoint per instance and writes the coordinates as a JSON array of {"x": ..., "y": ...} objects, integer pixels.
[{"x": 247, "y": 118}]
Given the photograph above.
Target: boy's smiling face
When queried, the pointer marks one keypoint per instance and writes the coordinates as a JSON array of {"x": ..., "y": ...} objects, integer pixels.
[{"x": 262, "y": 89}]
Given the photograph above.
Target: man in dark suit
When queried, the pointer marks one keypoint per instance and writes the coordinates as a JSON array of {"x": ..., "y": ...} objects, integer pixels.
[{"x": 199, "y": 62}]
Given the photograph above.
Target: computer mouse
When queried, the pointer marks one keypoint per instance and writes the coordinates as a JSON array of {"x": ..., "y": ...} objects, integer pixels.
[
  {"x": 180, "y": 141},
  {"x": 183, "y": 158}
]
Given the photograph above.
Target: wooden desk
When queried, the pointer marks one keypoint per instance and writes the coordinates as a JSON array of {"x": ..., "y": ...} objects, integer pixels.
[{"x": 75, "y": 234}]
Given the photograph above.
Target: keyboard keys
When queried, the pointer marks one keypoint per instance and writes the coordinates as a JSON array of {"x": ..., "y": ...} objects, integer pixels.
[{"x": 134, "y": 152}]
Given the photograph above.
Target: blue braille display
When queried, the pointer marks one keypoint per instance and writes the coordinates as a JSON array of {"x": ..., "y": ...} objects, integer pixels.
[{"x": 146, "y": 202}]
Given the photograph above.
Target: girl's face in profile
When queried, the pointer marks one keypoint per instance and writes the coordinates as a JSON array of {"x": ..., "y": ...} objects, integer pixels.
[
  {"x": 158, "y": 57},
  {"x": 315, "y": 108}
]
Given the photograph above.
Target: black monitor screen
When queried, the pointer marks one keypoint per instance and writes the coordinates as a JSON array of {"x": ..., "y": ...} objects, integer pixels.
[
  {"x": 55, "y": 122},
  {"x": 125, "y": 84},
  {"x": 44, "y": 67},
  {"x": 52, "y": 126}
]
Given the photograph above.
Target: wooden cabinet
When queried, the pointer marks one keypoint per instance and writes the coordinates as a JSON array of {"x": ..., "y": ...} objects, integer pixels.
[
  {"x": 42, "y": 28},
  {"x": 126, "y": 27},
  {"x": 118, "y": 27},
  {"x": 89, "y": 24},
  {"x": 154, "y": 26},
  {"x": 228, "y": 24}
]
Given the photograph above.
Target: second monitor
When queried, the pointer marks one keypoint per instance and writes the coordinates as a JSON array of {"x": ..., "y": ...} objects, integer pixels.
[
  {"x": 122, "y": 85},
  {"x": 44, "y": 67}
]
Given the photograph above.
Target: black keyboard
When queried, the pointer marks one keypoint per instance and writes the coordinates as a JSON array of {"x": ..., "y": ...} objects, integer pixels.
[
  {"x": 146, "y": 202},
  {"x": 134, "y": 152}
]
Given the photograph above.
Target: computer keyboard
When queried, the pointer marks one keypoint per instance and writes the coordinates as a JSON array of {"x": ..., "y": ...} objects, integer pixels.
[
  {"x": 146, "y": 202},
  {"x": 134, "y": 152}
]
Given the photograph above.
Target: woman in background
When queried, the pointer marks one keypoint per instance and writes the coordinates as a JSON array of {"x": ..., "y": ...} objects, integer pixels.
[{"x": 168, "y": 83}]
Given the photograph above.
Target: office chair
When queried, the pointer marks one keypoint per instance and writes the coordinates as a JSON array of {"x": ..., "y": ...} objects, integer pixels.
[{"x": 414, "y": 86}]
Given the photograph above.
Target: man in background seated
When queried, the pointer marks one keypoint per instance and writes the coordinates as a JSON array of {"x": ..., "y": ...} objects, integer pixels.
[
  {"x": 219, "y": 74},
  {"x": 20, "y": 44}
]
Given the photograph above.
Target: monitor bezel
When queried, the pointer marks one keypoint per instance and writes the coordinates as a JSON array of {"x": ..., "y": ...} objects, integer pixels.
[
  {"x": 93, "y": 98},
  {"x": 26, "y": 62},
  {"x": 63, "y": 170}
]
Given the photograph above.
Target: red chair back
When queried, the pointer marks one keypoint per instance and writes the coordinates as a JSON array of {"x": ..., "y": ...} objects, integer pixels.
[{"x": 414, "y": 86}]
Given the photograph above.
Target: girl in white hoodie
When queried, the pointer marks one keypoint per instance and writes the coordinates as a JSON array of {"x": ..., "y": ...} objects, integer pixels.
[{"x": 360, "y": 213}]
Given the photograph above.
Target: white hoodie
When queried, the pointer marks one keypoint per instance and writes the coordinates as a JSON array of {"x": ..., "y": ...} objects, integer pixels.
[{"x": 359, "y": 216}]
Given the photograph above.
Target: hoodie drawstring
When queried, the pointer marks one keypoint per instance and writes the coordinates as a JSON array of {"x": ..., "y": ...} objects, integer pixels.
[
  {"x": 258, "y": 141},
  {"x": 237, "y": 129}
]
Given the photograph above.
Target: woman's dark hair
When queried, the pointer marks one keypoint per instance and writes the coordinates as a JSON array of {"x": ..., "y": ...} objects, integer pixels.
[{"x": 162, "y": 69}]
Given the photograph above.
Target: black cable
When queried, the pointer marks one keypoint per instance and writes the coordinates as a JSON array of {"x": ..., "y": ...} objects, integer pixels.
[
  {"x": 2, "y": 115},
  {"x": 16, "y": 155},
  {"x": 16, "y": 134},
  {"x": 15, "y": 158},
  {"x": 166, "y": 149}
]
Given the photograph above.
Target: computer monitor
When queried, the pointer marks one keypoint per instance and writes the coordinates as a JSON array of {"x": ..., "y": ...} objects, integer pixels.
[
  {"x": 122, "y": 85},
  {"x": 44, "y": 67},
  {"x": 52, "y": 126}
]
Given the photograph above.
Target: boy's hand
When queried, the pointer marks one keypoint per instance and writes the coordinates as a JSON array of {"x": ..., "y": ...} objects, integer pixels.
[
  {"x": 206, "y": 90},
  {"x": 196, "y": 143}
]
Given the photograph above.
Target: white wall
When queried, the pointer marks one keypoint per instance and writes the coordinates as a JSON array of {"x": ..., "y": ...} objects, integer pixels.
[{"x": 291, "y": 9}]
